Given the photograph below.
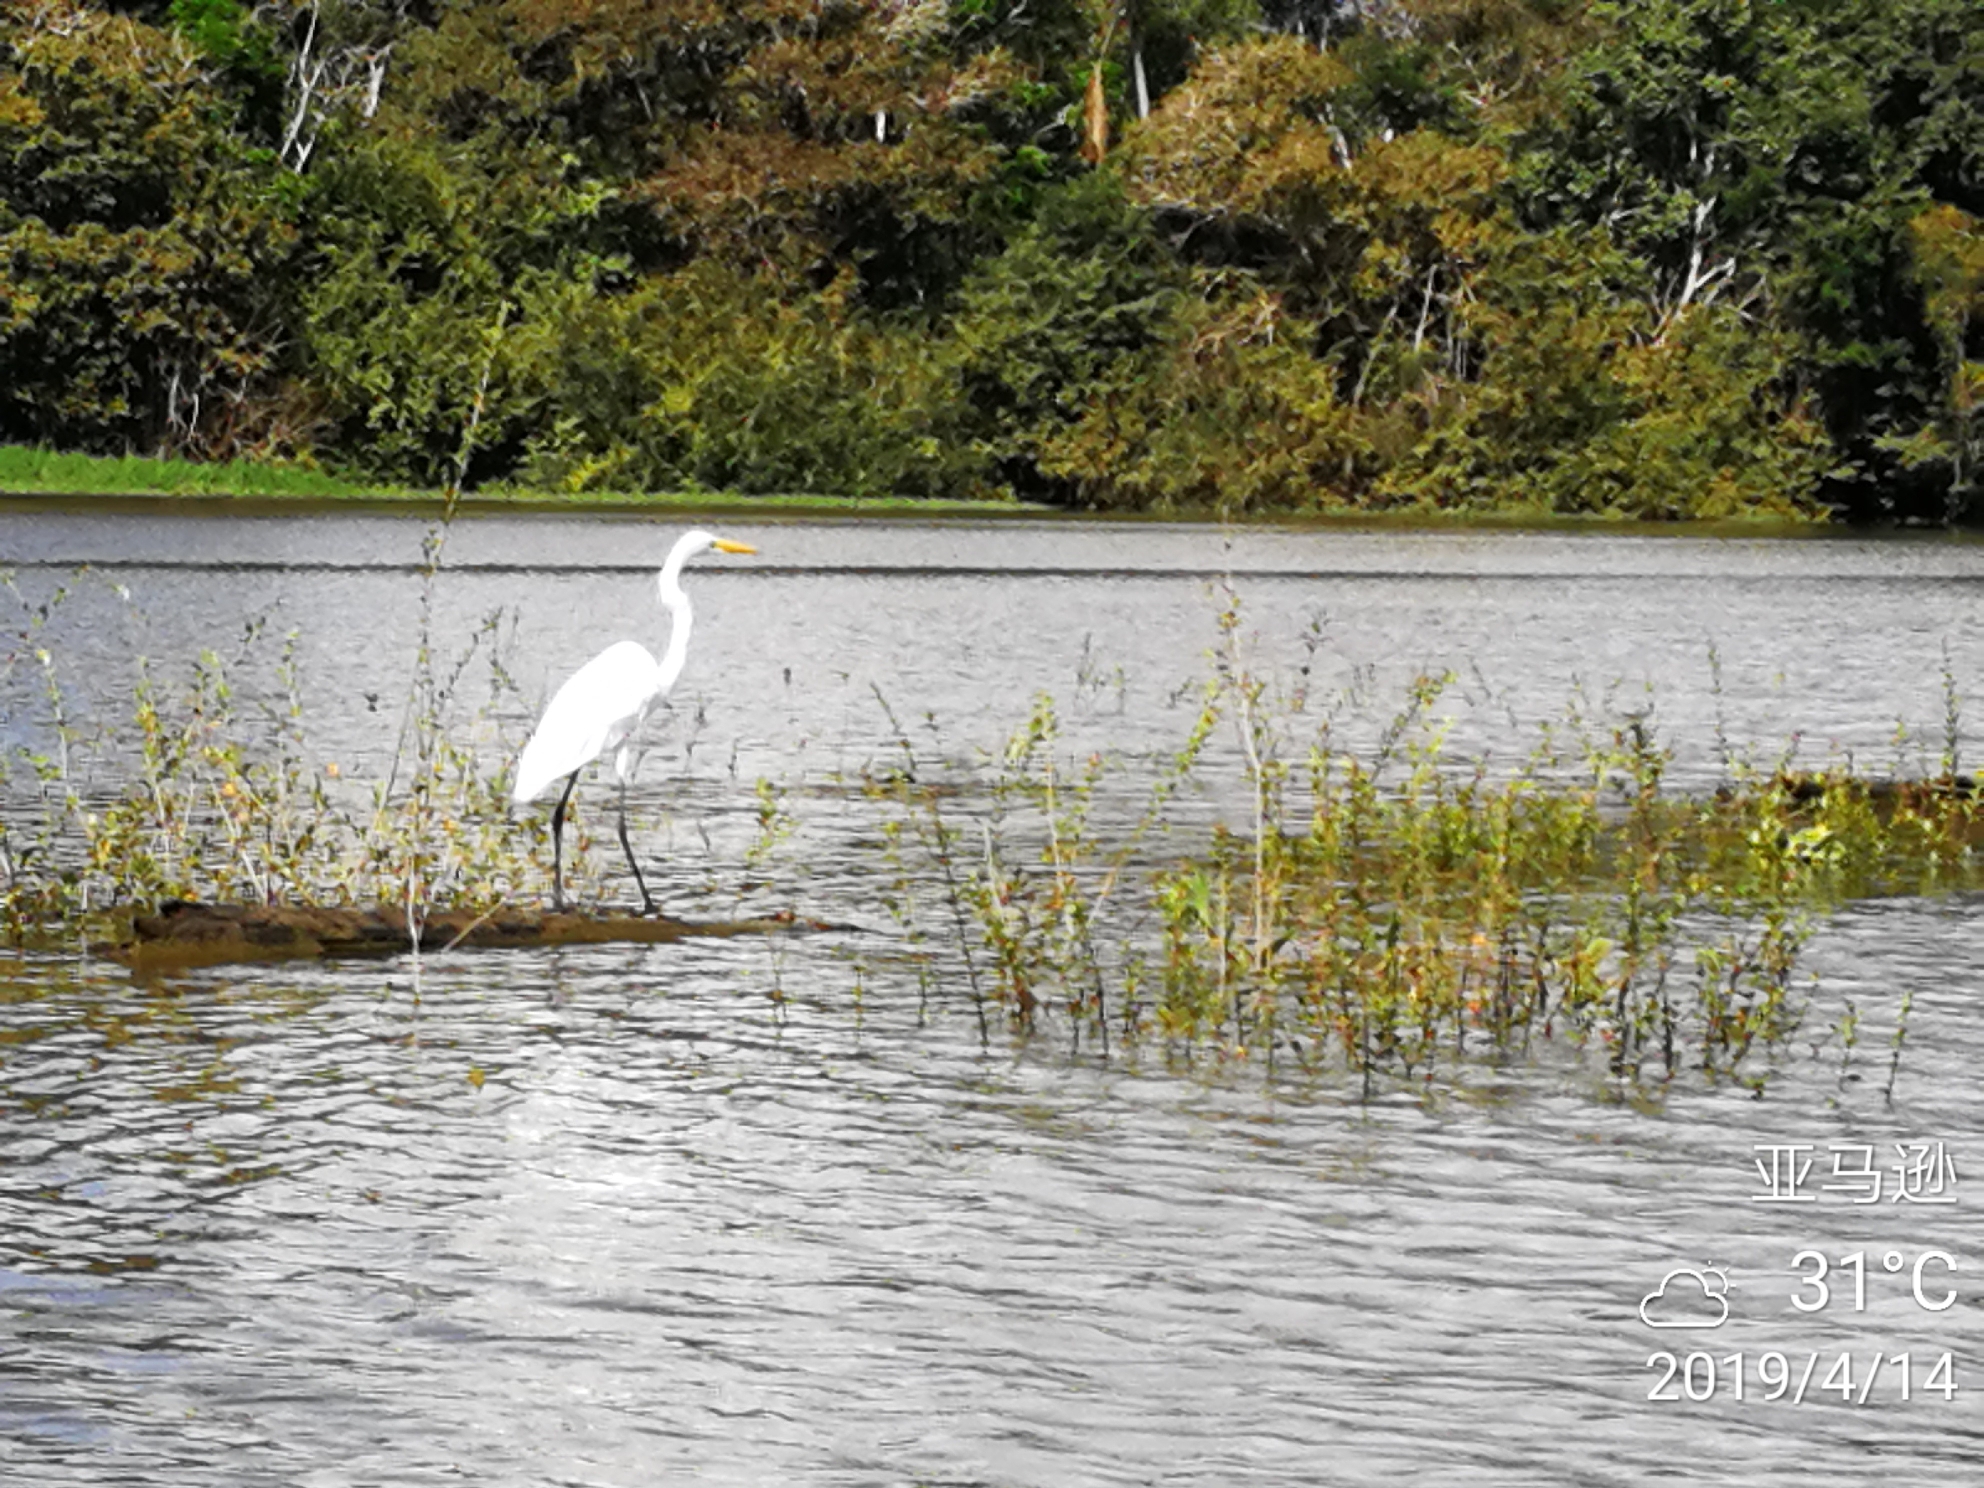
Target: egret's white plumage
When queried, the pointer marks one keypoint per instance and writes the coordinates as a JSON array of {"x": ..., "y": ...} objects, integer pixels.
[
  {"x": 593, "y": 714},
  {"x": 601, "y": 705}
]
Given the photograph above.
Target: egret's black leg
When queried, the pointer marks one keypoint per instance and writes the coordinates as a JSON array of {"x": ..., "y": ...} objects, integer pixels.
[
  {"x": 557, "y": 845},
  {"x": 647, "y": 899}
]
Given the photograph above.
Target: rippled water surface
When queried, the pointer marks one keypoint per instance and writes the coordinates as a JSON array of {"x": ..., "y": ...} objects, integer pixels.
[{"x": 622, "y": 1216}]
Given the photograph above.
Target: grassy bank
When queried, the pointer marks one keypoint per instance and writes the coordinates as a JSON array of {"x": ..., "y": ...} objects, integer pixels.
[
  {"x": 47, "y": 479},
  {"x": 42, "y": 472},
  {"x": 247, "y": 485}
]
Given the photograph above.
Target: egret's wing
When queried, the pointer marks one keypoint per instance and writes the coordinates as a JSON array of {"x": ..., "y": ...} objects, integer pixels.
[{"x": 597, "y": 707}]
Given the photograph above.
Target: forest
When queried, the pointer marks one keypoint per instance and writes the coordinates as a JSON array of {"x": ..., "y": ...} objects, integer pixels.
[{"x": 1670, "y": 259}]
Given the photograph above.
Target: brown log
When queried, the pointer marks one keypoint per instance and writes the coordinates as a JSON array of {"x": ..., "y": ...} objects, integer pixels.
[
  {"x": 1802, "y": 788},
  {"x": 182, "y": 935}
]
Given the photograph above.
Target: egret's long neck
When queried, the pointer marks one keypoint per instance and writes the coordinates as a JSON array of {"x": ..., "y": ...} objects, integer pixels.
[{"x": 677, "y": 604}]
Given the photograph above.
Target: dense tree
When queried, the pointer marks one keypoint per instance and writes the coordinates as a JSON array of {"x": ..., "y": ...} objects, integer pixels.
[
  {"x": 1772, "y": 157},
  {"x": 1662, "y": 258},
  {"x": 142, "y": 245}
]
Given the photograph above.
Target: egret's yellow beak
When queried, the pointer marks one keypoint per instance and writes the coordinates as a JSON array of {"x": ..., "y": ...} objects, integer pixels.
[{"x": 725, "y": 545}]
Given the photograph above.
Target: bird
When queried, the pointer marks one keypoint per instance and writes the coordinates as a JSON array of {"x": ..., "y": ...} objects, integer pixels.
[{"x": 601, "y": 705}]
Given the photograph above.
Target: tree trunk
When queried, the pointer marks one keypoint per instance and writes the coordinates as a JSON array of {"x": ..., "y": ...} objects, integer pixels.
[{"x": 1095, "y": 119}]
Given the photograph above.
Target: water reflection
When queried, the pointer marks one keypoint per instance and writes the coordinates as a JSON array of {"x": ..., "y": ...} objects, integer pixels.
[{"x": 263, "y": 1231}]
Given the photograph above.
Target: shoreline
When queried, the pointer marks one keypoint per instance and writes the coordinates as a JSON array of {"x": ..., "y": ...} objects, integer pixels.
[{"x": 676, "y": 505}]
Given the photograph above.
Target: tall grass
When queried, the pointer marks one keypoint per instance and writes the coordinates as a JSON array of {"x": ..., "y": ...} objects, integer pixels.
[{"x": 220, "y": 797}]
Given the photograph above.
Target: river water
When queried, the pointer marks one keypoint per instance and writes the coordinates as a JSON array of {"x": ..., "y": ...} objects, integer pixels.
[{"x": 620, "y": 1216}]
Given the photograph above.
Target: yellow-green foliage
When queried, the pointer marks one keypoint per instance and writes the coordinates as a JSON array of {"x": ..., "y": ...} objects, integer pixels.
[
  {"x": 709, "y": 379},
  {"x": 1234, "y": 415},
  {"x": 1586, "y": 401},
  {"x": 1948, "y": 248}
]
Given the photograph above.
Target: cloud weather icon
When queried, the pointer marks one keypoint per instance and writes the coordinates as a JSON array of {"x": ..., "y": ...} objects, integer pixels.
[{"x": 1700, "y": 1301}]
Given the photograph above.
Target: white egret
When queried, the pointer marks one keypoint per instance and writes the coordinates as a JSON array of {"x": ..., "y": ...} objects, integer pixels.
[{"x": 603, "y": 703}]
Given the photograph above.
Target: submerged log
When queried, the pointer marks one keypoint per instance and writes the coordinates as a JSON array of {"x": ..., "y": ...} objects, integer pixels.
[
  {"x": 1803, "y": 788},
  {"x": 182, "y": 935}
]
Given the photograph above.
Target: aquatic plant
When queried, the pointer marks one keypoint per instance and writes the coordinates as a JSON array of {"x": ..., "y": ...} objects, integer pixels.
[
  {"x": 1392, "y": 913},
  {"x": 226, "y": 801},
  {"x": 212, "y": 816}
]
